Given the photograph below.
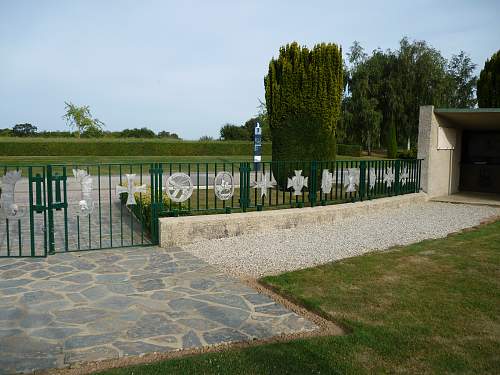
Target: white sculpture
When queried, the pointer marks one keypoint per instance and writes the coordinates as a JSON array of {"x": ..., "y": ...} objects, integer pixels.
[
  {"x": 9, "y": 208},
  {"x": 297, "y": 182},
  {"x": 86, "y": 204},
  {"x": 351, "y": 179},
  {"x": 179, "y": 187},
  {"x": 326, "y": 181},
  {"x": 264, "y": 182},
  {"x": 224, "y": 185},
  {"x": 389, "y": 177},
  {"x": 373, "y": 178},
  {"x": 130, "y": 189},
  {"x": 403, "y": 176}
]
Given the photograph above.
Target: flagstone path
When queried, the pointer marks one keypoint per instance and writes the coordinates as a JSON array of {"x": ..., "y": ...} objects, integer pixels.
[{"x": 90, "y": 306}]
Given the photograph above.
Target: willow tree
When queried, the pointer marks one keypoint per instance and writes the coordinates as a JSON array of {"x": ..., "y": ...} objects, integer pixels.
[
  {"x": 488, "y": 85},
  {"x": 303, "y": 100}
]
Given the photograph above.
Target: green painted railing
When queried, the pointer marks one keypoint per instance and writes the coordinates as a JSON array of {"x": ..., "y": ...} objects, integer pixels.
[{"x": 49, "y": 197}]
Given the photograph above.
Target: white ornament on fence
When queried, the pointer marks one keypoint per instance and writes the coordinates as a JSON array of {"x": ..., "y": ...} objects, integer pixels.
[
  {"x": 389, "y": 177},
  {"x": 179, "y": 187},
  {"x": 326, "y": 181},
  {"x": 9, "y": 208},
  {"x": 224, "y": 185},
  {"x": 351, "y": 179},
  {"x": 264, "y": 182},
  {"x": 86, "y": 204},
  {"x": 297, "y": 182},
  {"x": 373, "y": 178},
  {"x": 130, "y": 189},
  {"x": 403, "y": 176}
]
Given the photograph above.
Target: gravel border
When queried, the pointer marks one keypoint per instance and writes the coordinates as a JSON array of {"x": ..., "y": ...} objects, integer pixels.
[{"x": 277, "y": 251}]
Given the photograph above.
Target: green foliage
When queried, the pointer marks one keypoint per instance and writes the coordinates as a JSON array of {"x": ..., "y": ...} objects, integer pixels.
[
  {"x": 206, "y": 138},
  {"x": 166, "y": 134},
  {"x": 303, "y": 95},
  {"x": 231, "y": 132},
  {"x": 488, "y": 85},
  {"x": 349, "y": 150},
  {"x": 462, "y": 81},
  {"x": 24, "y": 130},
  {"x": 124, "y": 146},
  {"x": 392, "y": 143},
  {"x": 81, "y": 119},
  {"x": 408, "y": 154},
  {"x": 395, "y": 84},
  {"x": 138, "y": 133}
]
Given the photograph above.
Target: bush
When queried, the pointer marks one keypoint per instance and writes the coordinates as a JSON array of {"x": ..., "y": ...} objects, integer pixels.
[
  {"x": 123, "y": 147},
  {"x": 350, "y": 150},
  {"x": 407, "y": 154},
  {"x": 488, "y": 85}
]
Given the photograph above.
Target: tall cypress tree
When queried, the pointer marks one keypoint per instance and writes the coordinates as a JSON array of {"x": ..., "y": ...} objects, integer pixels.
[
  {"x": 303, "y": 97},
  {"x": 488, "y": 85}
]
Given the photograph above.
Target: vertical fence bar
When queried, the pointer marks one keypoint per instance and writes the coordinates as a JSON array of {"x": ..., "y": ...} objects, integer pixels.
[
  {"x": 32, "y": 218},
  {"x": 50, "y": 213}
]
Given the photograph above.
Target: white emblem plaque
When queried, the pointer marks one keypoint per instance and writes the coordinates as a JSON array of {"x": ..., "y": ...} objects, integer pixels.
[
  {"x": 224, "y": 185},
  {"x": 264, "y": 182},
  {"x": 130, "y": 189},
  {"x": 297, "y": 182},
  {"x": 179, "y": 187}
]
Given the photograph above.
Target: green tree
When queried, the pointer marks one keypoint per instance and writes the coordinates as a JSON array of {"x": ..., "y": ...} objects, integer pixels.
[
  {"x": 488, "y": 85},
  {"x": 303, "y": 97},
  {"x": 231, "y": 132},
  {"x": 463, "y": 81},
  {"x": 81, "y": 119},
  {"x": 143, "y": 132},
  {"x": 24, "y": 130}
]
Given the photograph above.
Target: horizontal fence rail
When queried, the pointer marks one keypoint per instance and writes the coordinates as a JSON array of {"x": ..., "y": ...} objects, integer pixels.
[{"x": 45, "y": 209}]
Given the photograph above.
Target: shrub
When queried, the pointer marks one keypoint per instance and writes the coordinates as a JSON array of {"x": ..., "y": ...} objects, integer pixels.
[
  {"x": 123, "y": 147},
  {"x": 488, "y": 85},
  {"x": 303, "y": 94},
  {"x": 407, "y": 154},
  {"x": 349, "y": 150}
]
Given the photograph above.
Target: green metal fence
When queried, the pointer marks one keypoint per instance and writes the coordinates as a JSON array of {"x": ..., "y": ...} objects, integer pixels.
[{"x": 54, "y": 208}]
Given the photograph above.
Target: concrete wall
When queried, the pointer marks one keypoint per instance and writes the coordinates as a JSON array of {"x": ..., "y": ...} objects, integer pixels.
[
  {"x": 440, "y": 168},
  {"x": 179, "y": 231}
]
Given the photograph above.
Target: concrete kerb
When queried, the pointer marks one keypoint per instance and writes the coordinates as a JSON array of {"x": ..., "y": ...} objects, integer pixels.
[{"x": 181, "y": 231}]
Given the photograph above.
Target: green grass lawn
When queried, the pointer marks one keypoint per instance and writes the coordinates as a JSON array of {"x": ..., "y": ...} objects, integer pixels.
[{"x": 432, "y": 307}]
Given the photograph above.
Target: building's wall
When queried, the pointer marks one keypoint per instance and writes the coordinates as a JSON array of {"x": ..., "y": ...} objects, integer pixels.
[{"x": 440, "y": 168}]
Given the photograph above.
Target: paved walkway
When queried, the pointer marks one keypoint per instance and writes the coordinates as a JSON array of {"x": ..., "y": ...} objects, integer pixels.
[{"x": 90, "y": 306}]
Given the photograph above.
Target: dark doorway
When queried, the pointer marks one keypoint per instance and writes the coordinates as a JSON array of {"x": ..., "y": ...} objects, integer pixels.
[{"x": 480, "y": 165}]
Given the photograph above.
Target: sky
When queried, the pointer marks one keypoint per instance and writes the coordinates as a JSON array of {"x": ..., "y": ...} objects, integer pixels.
[{"x": 191, "y": 66}]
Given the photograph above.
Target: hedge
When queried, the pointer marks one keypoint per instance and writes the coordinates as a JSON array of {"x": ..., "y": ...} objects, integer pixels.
[
  {"x": 350, "y": 150},
  {"x": 135, "y": 147},
  {"x": 117, "y": 147}
]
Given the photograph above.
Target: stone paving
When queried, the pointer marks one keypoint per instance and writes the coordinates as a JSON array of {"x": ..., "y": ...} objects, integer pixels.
[{"x": 89, "y": 306}]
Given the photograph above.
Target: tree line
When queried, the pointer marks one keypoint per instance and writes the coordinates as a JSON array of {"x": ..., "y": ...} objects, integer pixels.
[{"x": 384, "y": 90}]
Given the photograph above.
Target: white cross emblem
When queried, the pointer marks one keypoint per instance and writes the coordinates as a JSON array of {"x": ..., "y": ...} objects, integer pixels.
[
  {"x": 403, "y": 177},
  {"x": 351, "y": 179},
  {"x": 297, "y": 182},
  {"x": 130, "y": 189},
  {"x": 265, "y": 182},
  {"x": 326, "y": 181},
  {"x": 388, "y": 177},
  {"x": 373, "y": 178}
]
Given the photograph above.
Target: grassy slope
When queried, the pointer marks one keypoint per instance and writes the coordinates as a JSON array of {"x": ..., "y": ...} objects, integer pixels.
[{"x": 431, "y": 307}]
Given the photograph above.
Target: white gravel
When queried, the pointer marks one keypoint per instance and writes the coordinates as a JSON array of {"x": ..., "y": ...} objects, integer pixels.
[{"x": 277, "y": 251}]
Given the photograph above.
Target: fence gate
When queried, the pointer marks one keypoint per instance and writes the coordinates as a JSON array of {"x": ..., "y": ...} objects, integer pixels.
[{"x": 49, "y": 209}]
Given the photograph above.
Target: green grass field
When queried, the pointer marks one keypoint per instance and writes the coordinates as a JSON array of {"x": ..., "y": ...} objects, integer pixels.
[{"x": 428, "y": 308}]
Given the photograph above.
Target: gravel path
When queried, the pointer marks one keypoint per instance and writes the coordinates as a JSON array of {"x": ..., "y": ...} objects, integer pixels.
[{"x": 278, "y": 251}]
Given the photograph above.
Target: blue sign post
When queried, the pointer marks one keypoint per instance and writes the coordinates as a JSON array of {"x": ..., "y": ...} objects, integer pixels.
[{"x": 257, "y": 146}]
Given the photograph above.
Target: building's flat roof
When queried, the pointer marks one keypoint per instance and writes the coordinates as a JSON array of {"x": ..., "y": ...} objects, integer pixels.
[{"x": 470, "y": 119}]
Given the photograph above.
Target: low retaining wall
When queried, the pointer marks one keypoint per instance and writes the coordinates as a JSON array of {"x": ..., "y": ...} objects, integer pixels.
[{"x": 179, "y": 231}]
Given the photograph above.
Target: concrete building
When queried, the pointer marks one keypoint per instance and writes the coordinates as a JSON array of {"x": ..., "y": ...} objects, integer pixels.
[{"x": 460, "y": 149}]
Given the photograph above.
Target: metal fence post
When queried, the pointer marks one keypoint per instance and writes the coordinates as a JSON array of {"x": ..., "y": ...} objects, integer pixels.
[
  {"x": 313, "y": 185},
  {"x": 362, "y": 179},
  {"x": 50, "y": 213},
  {"x": 396, "y": 177}
]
